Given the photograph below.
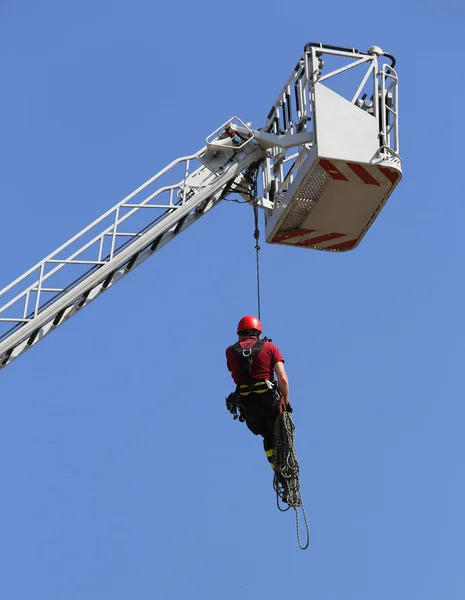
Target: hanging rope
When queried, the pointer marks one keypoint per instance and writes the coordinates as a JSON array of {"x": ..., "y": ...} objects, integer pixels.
[
  {"x": 253, "y": 194},
  {"x": 286, "y": 478}
]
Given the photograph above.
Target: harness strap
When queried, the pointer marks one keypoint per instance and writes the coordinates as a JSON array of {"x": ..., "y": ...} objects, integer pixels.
[
  {"x": 259, "y": 386},
  {"x": 247, "y": 357}
]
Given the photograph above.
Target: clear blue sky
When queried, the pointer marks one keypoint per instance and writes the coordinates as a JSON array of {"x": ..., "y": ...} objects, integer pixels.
[{"x": 122, "y": 474}]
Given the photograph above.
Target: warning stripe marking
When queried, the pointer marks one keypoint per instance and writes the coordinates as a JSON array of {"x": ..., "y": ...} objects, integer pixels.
[
  {"x": 292, "y": 237},
  {"x": 332, "y": 170},
  {"x": 363, "y": 174},
  {"x": 391, "y": 175},
  {"x": 342, "y": 246},
  {"x": 282, "y": 237},
  {"x": 322, "y": 238}
]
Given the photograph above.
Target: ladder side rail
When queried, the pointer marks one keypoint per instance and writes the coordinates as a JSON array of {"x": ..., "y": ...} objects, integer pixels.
[
  {"x": 81, "y": 292},
  {"x": 99, "y": 219},
  {"x": 293, "y": 101},
  {"x": 375, "y": 94},
  {"x": 389, "y": 132},
  {"x": 73, "y": 258},
  {"x": 88, "y": 296},
  {"x": 110, "y": 230}
]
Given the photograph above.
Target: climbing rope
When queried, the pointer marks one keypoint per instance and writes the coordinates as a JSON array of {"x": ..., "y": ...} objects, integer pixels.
[
  {"x": 286, "y": 481},
  {"x": 253, "y": 194},
  {"x": 251, "y": 191}
]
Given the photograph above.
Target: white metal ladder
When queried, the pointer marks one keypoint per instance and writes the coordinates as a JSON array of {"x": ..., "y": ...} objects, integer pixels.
[
  {"x": 102, "y": 253},
  {"x": 328, "y": 163}
]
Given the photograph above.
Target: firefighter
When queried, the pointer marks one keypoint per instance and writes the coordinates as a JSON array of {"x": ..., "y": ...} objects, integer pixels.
[{"x": 259, "y": 398}]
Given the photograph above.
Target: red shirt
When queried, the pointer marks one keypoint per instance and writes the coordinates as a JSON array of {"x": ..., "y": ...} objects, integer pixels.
[{"x": 263, "y": 365}]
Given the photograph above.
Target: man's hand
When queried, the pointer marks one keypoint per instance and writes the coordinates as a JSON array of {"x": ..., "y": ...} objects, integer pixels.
[{"x": 284, "y": 405}]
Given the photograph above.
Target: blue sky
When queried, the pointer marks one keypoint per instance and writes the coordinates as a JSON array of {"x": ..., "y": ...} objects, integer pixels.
[{"x": 122, "y": 474}]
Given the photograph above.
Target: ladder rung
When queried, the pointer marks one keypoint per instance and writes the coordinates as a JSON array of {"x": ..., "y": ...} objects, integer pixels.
[
  {"x": 76, "y": 262},
  {"x": 8, "y": 320},
  {"x": 151, "y": 206},
  {"x": 123, "y": 234}
]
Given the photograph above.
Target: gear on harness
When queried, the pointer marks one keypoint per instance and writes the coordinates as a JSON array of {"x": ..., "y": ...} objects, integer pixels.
[
  {"x": 247, "y": 385},
  {"x": 247, "y": 356},
  {"x": 232, "y": 403}
]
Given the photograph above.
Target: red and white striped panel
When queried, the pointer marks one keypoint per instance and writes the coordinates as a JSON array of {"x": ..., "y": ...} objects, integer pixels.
[
  {"x": 369, "y": 175},
  {"x": 311, "y": 238},
  {"x": 359, "y": 177}
]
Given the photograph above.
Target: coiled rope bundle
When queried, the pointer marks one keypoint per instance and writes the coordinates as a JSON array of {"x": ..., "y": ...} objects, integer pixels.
[{"x": 286, "y": 481}]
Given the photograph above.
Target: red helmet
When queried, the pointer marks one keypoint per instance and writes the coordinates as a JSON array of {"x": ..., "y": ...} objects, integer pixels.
[{"x": 248, "y": 323}]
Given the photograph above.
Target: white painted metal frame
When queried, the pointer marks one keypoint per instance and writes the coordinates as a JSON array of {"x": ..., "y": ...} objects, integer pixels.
[
  {"x": 106, "y": 250},
  {"x": 294, "y": 111},
  {"x": 389, "y": 114},
  {"x": 96, "y": 258}
]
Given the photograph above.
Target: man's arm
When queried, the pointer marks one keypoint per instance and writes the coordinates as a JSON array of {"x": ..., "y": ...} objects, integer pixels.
[
  {"x": 283, "y": 382},
  {"x": 228, "y": 361}
]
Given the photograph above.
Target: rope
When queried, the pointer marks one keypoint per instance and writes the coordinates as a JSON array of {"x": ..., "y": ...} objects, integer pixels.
[
  {"x": 286, "y": 478},
  {"x": 256, "y": 234},
  {"x": 257, "y": 246}
]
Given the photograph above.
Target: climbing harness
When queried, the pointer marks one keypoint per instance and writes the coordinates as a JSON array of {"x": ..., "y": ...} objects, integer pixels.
[
  {"x": 247, "y": 357},
  {"x": 246, "y": 384},
  {"x": 286, "y": 480}
]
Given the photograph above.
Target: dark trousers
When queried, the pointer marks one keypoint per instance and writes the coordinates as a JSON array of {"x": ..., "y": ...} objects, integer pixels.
[{"x": 260, "y": 412}]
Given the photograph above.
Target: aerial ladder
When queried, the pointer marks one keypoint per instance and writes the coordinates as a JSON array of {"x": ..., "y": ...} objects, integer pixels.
[{"x": 321, "y": 168}]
